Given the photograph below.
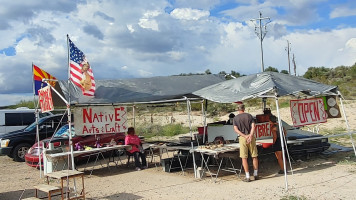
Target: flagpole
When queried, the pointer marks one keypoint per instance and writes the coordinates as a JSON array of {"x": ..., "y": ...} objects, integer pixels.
[
  {"x": 33, "y": 87},
  {"x": 36, "y": 116},
  {"x": 68, "y": 109}
]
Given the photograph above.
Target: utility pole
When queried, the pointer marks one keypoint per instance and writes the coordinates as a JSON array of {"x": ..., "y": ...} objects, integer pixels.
[
  {"x": 295, "y": 66},
  {"x": 288, "y": 52},
  {"x": 261, "y": 33}
]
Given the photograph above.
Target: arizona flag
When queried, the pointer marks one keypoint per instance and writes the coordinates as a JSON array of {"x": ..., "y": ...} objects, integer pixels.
[
  {"x": 38, "y": 75},
  {"x": 81, "y": 73}
]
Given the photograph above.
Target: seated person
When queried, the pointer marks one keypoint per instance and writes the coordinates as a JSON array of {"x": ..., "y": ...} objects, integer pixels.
[
  {"x": 136, "y": 150},
  {"x": 277, "y": 147}
]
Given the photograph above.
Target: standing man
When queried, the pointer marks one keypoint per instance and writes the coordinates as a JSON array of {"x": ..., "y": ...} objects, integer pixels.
[{"x": 244, "y": 126}]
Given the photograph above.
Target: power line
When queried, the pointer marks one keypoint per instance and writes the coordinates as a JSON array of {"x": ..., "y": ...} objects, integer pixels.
[
  {"x": 288, "y": 49},
  {"x": 261, "y": 33}
]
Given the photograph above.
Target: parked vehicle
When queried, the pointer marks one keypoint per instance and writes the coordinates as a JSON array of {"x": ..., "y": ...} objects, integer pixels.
[
  {"x": 17, "y": 119},
  {"x": 60, "y": 139},
  {"x": 303, "y": 143},
  {"x": 300, "y": 143},
  {"x": 15, "y": 144}
]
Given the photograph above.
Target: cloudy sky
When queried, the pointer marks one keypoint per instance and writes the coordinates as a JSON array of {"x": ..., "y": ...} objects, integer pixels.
[{"x": 139, "y": 38}]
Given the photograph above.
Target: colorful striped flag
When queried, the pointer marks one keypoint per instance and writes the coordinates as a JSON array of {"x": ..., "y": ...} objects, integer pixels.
[
  {"x": 81, "y": 73},
  {"x": 38, "y": 75}
]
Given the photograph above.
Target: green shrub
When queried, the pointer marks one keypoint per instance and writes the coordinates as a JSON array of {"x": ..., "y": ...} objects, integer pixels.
[{"x": 153, "y": 130}]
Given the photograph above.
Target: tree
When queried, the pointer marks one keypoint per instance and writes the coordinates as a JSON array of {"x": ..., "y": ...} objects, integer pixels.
[
  {"x": 284, "y": 71},
  {"x": 207, "y": 71},
  {"x": 271, "y": 69},
  {"x": 236, "y": 74}
]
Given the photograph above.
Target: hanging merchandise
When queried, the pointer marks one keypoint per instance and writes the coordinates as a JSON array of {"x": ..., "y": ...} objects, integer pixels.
[{"x": 331, "y": 107}]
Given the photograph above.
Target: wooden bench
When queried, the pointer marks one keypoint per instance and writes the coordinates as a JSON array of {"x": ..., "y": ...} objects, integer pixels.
[{"x": 49, "y": 189}]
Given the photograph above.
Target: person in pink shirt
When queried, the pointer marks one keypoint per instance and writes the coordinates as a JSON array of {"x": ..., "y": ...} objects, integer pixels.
[{"x": 137, "y": 150}]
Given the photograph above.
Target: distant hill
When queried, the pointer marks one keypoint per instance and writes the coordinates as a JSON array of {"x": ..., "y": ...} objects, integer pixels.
[{"x": 344, "y": 77}]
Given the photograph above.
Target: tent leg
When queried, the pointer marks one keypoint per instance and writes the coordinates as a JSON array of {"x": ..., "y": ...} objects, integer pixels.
[
  {"x": 191, "y": 136},
  {"x": 282, "y": 144},
  {"x": 347, "y": 123}
]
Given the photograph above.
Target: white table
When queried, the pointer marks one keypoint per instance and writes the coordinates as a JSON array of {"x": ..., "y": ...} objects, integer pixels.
[
  {"x": 234, "y": 147},
  {"x": 92, "y": 152}
]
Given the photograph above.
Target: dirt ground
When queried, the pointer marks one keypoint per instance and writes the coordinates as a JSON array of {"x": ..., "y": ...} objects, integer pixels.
[
  {"x": 331, "y": 176},
  {"x": 320, "y": 177}
]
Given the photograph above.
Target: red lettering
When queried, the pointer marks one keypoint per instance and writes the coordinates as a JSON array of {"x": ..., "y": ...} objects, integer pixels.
[
  {"x": 306, "y": 110},
  {"x": 87, "y": 115},
  {"x": 96, "y": 118},
  {"x": 111, "y": 117},
  {"x": 117, "y": 114},
  {"x": 268, "y": 131},
  {"x": 301, "y": 113},
  {"x": 263, "y": 127},
  {"x": 316, "y": 111}
]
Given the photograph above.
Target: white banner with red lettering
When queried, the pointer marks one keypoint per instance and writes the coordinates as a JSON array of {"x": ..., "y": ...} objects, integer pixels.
[
  {"x": 263, "y": 131},
  {"x": 93, "y": 120},
  {"x": 45, "y": 99},
  {"x": 308, "y": 111}
]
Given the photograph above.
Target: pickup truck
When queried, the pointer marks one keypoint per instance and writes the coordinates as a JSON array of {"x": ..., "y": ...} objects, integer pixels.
[{"x": 15, "y": 144}]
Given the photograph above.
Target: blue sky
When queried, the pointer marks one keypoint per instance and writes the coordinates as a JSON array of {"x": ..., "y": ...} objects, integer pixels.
[{"x": 128, "y": 39}]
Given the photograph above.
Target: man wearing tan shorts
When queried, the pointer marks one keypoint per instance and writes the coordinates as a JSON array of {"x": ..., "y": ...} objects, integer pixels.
[{"x": 244, "y": 126}]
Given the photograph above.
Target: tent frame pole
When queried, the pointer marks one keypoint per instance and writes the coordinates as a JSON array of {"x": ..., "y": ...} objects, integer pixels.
[
  {"x": 281, "y": 135},
  {"x": 191, "y": 135},
  {"x": 347, "y": 122}
]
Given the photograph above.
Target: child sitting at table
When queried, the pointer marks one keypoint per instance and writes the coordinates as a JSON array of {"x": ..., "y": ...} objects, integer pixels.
[{"x": 136, "y": 150}]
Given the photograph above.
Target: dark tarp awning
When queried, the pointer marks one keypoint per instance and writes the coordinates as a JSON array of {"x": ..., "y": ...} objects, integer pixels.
[
  {"x": 260, "y": 84},
  {"x": 141, "y": 89}
]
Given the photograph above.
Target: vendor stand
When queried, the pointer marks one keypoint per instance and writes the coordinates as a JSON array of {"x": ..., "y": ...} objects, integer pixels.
[{"x": 271, "y": 85}]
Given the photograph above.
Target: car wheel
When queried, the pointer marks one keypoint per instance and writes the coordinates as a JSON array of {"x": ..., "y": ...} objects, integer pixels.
[{"x": 20, "y": 152}]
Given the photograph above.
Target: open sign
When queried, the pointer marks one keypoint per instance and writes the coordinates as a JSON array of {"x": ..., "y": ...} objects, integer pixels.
[{"x": 308, "y": 111}]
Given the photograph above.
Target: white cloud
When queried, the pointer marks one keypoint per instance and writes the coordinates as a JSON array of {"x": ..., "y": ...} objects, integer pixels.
[
  {"x": 144, "y": 73},
  {"x": 343, "y": 11},
  {"x": 158, "y": 38},
  {"x": 148, "y": 21},
  {"x": 12, "y": 99},
  {"x": 351, "y": 43},
  {"x": 189, "y": 14},
  {"x": 124, "y": 67},
  {"x": 175, "y": 55},
  {"x": 130, "y": 27}
]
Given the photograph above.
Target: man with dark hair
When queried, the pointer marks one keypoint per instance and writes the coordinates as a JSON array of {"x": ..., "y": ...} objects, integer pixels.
[{"x": 244, "y": 126}]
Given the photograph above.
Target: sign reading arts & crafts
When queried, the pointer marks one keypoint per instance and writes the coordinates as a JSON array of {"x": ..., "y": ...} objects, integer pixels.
[
  {"x": 45, "y": 99},
  {"x": 308, "y": 111},
  {"x": 93, "y": 120}
]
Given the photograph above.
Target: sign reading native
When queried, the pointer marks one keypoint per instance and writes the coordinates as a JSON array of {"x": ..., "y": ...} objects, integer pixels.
[
  {"x": 308, "y": 111},
  {"x": 45, "y": 99},
  {"x": 100, "y": 120},
  {"x": 263, "y": 130}
]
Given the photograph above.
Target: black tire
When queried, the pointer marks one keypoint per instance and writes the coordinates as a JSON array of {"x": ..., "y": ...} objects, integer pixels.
[{"x": 20, "y": 151}]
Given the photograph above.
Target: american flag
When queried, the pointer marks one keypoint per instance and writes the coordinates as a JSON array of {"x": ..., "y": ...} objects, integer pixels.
[{"x": 81, "y": 73}]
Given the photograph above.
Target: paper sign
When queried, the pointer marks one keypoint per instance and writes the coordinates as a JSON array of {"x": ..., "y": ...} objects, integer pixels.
[
  {"x": 308, "y": 111},
  {"x": 263, "y": 130},
  {"x": 100, "y": 120},
  {"x": 45, "y": 99}
]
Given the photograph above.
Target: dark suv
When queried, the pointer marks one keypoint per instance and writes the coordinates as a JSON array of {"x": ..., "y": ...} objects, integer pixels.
[{"x": 15, "y": 144}]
